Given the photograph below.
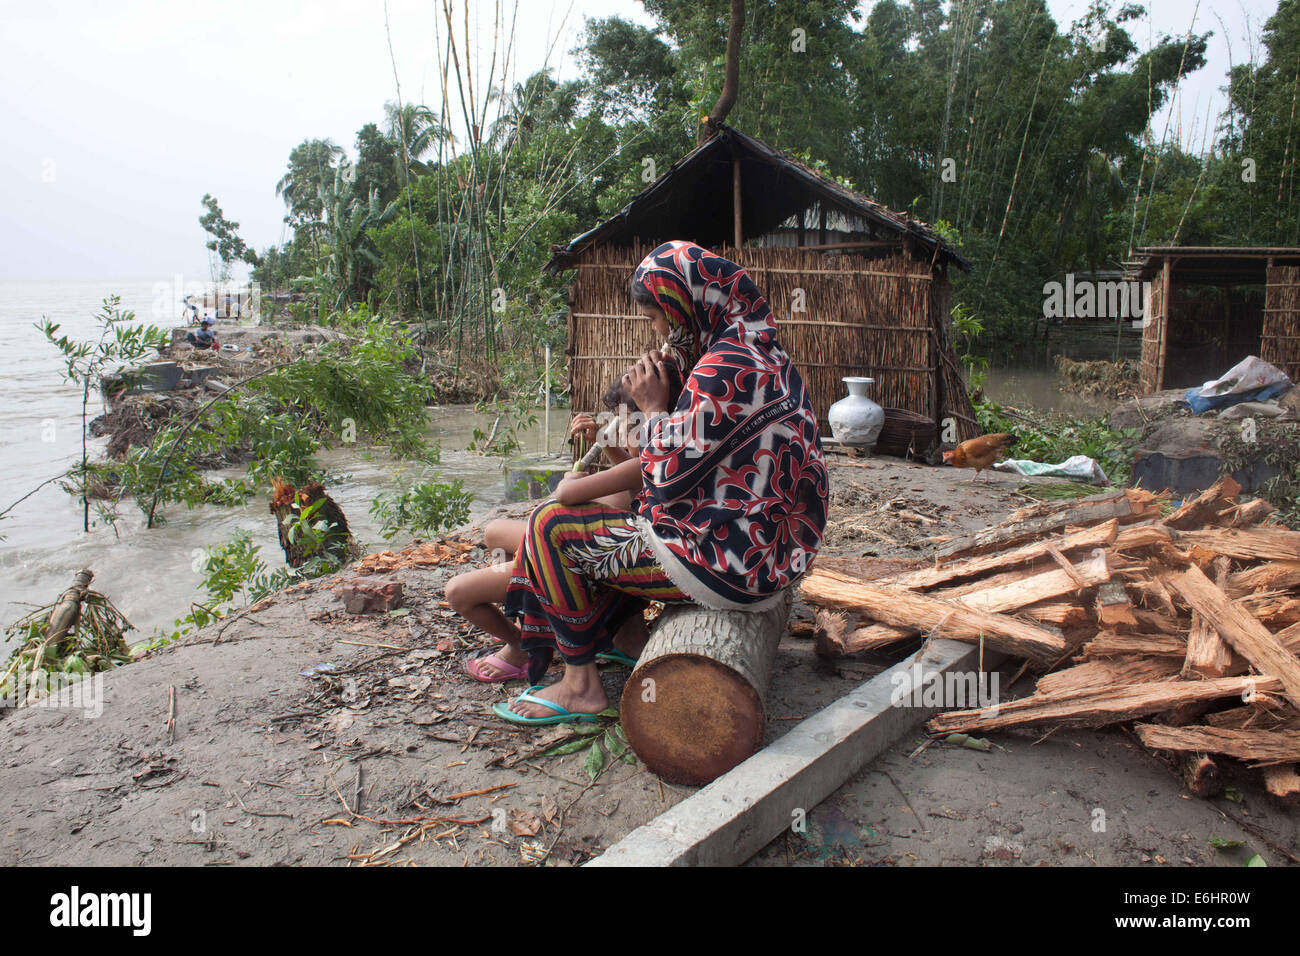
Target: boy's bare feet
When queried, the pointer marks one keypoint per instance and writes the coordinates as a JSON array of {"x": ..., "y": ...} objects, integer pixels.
[{"x": 512, "y": 655}]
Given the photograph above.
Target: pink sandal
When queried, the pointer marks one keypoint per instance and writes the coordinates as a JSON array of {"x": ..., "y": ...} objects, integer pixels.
[{"x": 508, "y": 671}]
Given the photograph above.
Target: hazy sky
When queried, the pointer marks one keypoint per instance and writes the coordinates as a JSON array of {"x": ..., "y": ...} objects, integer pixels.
[{"x": 118, "y": 117}]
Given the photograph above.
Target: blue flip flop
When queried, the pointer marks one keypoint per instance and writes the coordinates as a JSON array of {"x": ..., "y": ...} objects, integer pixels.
[
  {"x": 502, "y": 710},
  {"x": 615, "y": 656}
]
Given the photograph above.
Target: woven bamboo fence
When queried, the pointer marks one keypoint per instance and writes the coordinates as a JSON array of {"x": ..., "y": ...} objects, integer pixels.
[
  {"x": 1280, "y": 339},
  {"x": 836, "y": 316}
]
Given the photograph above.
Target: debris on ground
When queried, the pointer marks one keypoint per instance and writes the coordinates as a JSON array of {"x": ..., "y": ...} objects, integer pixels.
[
  {"x": 1186, "y": 621},
  {"x": 428, "y": 554},
  {"x": 1118, "y": 380}
]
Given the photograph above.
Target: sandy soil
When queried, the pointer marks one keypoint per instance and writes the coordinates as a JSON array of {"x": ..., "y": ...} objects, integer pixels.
[{"x": 306, "y": 735}]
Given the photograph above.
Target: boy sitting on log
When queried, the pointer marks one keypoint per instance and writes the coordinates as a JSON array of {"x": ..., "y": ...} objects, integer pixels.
[{"x": 476, "y": 595}]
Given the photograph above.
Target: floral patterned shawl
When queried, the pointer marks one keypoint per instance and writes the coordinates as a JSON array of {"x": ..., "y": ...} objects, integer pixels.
[{"x": 734, "y": 493}]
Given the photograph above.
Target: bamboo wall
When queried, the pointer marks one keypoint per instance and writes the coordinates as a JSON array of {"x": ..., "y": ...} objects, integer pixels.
[
  {"x": 871, "y": 317},
  {"x": 1280, "y": 339}
]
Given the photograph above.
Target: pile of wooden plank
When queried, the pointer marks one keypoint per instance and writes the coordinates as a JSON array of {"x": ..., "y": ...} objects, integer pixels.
[{"x": 1185, "y": 620}]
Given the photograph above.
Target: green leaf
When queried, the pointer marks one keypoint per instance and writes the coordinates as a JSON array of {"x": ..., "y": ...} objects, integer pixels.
[
  {"x": 399, "y": 612},
  {"x": 1256, "y": 860},
  {"x": 595, "y": 761},
  {"x": 1220, "y": 844},
  {"x": 568, "y": 747},
  {"x": 615, "y": 746}
]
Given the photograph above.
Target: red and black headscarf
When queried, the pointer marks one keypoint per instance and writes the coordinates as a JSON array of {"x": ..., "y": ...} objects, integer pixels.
[{"x": 734, "y": 483}]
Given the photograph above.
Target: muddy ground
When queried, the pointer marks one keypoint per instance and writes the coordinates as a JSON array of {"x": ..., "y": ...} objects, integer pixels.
[{"x": 301, "y": 734}]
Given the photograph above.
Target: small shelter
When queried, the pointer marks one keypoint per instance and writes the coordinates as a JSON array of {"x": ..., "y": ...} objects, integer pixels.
[
  {"x": 1209, "y": 307},
  {"x": 856, "y": 288}
]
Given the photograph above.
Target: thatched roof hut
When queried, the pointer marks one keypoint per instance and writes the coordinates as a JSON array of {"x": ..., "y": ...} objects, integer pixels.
[
  {"x": 856, "y": 288},
  {"x": 1211, "y": 306}
]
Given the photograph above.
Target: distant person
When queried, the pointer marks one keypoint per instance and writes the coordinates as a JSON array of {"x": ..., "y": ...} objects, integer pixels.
[
  {"x": 191, "y": 313},
  {"x": 205, "y": 337}
]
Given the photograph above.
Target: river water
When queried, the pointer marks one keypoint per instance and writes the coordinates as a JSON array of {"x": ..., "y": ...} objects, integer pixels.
[{"x": 149, "y": 573}]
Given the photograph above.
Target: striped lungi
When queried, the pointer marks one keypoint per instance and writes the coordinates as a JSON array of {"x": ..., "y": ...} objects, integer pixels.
[{"x": 582, "y": 572}]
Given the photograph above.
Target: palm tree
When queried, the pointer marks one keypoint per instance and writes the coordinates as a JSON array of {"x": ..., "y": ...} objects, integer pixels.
[
  {"x": 311, "y": 167},
  {"x": 416, "y": 131}
]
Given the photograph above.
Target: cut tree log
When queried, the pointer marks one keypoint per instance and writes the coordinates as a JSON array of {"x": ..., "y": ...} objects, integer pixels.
[
  {"x": 1202, "y": 776},
  {"x": 289, "y": 505},
  {"x": 1283, "y": 784},
  {"x": 1237, "y": 627},
  {"x": 66, "y": 612},
  {"x": 1097, "y": 708},
  {"x": 932, "y": 616},
  {"x": 694, "y": 706},
  {"x": 1259, "y": 747}
]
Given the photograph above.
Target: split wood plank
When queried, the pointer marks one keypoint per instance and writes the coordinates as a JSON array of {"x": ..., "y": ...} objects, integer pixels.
[
  {"x": 1251, "y": 513},
  {"x": 1275, "y": 575},
  {"x": 1098, "y": 536},
  {"x": 1248, "y": 544},
  {"x": 1044, "y": 586},
  {"x": 1097, "y": 708},
  {"x": 1100, "y": 674},
  {"x": 1206, "y": 506},
  {"x": 836, "y": 636},
  {"x": 1125, "y": 509},
  {"x": 1248, "y": 637},
  {"x": 1259, "y": 747},
  {"x": 1207, "y": 654},
  {"x": 930, "y": 615},
  {"x": 1110, "y": 644}
]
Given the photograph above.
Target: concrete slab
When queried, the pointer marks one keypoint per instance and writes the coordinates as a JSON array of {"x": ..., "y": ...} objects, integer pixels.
[{"x": 732, "y": 818}]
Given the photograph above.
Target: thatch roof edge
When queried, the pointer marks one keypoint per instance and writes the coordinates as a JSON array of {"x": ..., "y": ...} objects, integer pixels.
[{"x": 563, "y": 255}]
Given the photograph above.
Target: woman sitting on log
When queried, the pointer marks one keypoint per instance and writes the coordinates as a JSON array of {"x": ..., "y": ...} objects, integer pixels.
[{"x": 734, "y": 488}]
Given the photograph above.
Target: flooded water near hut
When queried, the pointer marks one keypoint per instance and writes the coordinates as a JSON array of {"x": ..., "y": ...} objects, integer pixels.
[{"x": 151, "y": 574}]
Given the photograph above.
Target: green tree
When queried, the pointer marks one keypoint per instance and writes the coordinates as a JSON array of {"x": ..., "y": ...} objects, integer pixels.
[{"x": 225, "y": 241}]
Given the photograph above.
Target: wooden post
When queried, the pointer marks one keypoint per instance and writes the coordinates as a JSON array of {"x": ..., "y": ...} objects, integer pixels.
[
  {"x": 1166, "y": 309},
  {"x": 735, "y": 199}
]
